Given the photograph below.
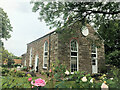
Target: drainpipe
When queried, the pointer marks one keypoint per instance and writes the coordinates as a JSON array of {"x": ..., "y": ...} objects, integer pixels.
[{"x": 49, "y": 52}]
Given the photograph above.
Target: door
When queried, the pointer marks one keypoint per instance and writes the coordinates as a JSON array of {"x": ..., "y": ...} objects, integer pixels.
[{"x": 36, "y": 63}]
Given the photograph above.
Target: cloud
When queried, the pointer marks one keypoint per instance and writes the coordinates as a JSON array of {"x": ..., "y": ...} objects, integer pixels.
[
  {"x": 24, "y": 7},
  {"x": 8, "y": 5},
  {"x": 25, "y": 23}
]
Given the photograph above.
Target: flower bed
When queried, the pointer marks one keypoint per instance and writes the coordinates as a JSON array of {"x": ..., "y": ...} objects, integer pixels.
[{"x": 60, "y": 77}]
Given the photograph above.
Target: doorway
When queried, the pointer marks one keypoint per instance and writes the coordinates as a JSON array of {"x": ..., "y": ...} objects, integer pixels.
[{"x": 36, "y": 63}]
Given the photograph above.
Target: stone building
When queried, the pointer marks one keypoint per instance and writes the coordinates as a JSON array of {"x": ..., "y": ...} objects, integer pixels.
[
  {"x": 79, "y": 51},
  {"x": 24, "y": 63}
]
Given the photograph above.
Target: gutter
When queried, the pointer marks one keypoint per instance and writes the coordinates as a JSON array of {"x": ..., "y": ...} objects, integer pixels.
[{"x": 49, "y": 52}]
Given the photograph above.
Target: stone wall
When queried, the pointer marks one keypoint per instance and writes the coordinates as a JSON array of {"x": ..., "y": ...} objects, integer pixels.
[
  {"x": 59, "y": 48},
  {"x": 84, "y": 48},
  {"x": 38, "y": 47}
]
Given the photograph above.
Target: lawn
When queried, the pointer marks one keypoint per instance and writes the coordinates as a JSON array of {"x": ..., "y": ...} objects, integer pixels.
[{"x": 22, "y": 82}]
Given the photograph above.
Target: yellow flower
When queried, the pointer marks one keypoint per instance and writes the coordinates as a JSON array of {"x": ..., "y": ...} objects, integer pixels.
[
  {"x": 52, "y": 64},
  {"x": 29, "y": 75},
  {"x": 104, "y": 75},
  {"x": 53, "y": 68},
  {"x": 104, "y": 81}
]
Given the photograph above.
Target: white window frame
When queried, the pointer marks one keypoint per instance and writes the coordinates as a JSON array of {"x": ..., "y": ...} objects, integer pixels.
[
  {"x": 45, "y": 56},
  {"x": 96, "y": 61},
  {"x": 30, "y": 63},
  {"x": 74, "y": 56}
]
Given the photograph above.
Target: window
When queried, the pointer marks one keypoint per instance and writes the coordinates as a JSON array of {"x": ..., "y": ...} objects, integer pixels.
[
  {"x": 45, "y": 55},
  {"x": 93, "y": 54},
  {"x": 30, "y": 63},
  {"x": 74, "y": 56}
]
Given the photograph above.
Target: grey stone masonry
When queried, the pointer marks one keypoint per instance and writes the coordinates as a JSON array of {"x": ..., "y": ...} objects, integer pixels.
[{"x": 59, "y": 49}]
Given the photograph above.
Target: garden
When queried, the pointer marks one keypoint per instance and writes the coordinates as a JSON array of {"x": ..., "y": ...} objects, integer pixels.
[{"x": 59, "y": 77}]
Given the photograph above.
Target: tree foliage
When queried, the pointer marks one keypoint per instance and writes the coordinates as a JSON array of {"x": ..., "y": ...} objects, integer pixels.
[
  {"x": 5, "y": 29},
  {"x": 105, "y": 17},
  {"x": 110, "y": 32},
  {"x": 5, "y": 25},
  {"x": 6, "y": 56},
  {"x": 57, "y": 14}
]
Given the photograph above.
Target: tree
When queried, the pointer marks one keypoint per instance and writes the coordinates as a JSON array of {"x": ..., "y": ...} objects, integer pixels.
[
  {"x": 105, "y": 17},
  {"x": 110, "y": 32},
  {"x": 5, "y": 26},
  {"x": 8, "y": 57},
  {"x": 57, "y": 14},
  {"x": 5, "y": 29}
]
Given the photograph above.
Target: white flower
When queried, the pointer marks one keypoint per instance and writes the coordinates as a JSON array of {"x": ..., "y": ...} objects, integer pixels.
[
  {"x": 84, "y": 79},
  {"x": 66, "y": 78},
  {"x": 92, "y": 80},
  {"x": 104, "y": 86},
  {"x": 67, "y": 72},
  {"x": 111, "y": 78}
]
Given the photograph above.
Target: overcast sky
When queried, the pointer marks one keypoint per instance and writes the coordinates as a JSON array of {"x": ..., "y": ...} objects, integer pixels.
[{"x": 25, "y": 23}]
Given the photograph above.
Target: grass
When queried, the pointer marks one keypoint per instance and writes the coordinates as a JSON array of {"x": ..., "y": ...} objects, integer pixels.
[
  {"x": 16, "y": 82},
  {"x": 22, "y": 82}
]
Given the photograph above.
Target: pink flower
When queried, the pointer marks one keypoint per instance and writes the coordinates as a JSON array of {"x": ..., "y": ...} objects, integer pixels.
[
  {"x": 50, "y": 70},
  {"x": 29, "y": 79},
  {"x": 32, "y": 86},
  {"x": 39, "y": 82}
]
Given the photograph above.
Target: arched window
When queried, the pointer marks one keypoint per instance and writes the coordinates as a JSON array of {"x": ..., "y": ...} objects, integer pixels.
[
  {"x": 74, "y": 56},
  {"x": 30, "y": 63},
  {"x": 45, "y": 55}
]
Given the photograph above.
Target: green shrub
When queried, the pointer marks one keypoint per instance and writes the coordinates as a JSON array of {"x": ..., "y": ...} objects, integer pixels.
[
  {"x": 15, "y": 73},
  {"x": 58, "y": 70},
  {"x": 5, "y": 71},
  {"x": 114, "y": 58},
  {"x": 24, "y": 68},
  {"x": 15, "y": 82}
]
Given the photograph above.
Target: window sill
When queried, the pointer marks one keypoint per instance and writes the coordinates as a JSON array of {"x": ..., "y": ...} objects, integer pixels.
[
  {"x": 72, "y": 72},
  {"x": 44, "y": 67}
]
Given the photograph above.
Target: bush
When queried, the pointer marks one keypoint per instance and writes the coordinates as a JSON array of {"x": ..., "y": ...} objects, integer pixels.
[
  {"x": 15, "y": 73},
  {"x": 114, "y": 58},
  {"x": 24, "y": 68},
  {"x": 58, "y": 70},
  {"x": 5, "y": 71},
  {"x": 15, "y": 82}
]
